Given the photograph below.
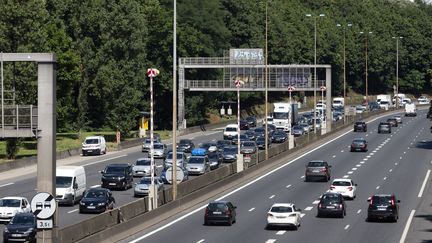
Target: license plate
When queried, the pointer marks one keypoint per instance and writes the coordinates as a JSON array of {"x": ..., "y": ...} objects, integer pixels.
[
  {"x": 89, "y": 151},
  {"x": 340, "y": 192},
  {"x": 16, "y": 235},
  {"x": 112, "y": 184},
  {"x": 217, "y": 212},
  {"x": 91, "y": 207},
  {"x": 280, "y": 217},
  {"x": 330, "y": 206},
  {"x": 315, "y": 171},
  {"x": 382, "y": 208}
]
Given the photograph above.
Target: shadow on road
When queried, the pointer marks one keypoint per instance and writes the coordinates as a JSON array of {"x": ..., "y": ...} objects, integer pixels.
[{"x": 423, "y": 144}]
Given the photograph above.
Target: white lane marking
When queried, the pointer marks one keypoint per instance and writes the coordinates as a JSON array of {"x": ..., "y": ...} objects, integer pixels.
[
  {"x": 375, "y": 151},
  {"x": 334, "y": 156},
  {"x": 362, "y": 162},
  {"x": 404, "y": 152},
  {"x": 73, "y": 211},
  {"x": 213, "y": 140},
  {"x": 95, "y": 186},
  {"x": 159, "y": 166},
  {"x": 252, "y": 209},
  {"x": 200, "y": 241},
  {"x": 192, "y": 138},
  {"x": 390, "y": 170},
  {"x": 372, "y": 153},
  {"x": 405, "y": 232},
  {"x": 350, "y": 172},
  {"x": 288, "y": 186},
  {"x": 301, "y": 177},
  {"x": 281, "y": 232},
  {"x": 354, "y": 168},
  {"x": 345, "y": 176},
  {"x": 342, "y": 150},
  {"x": 272, "y": 196},
  {"x": 358, "y": 165},
  {"x": 367, "y": 135},
  {"x": 358, "y": 211},
  {"x": 385, "y": 178},
  {"x": 100, "y": 161},
  {"x": 377, "y": 187},
  {"x": 346, "y": 227},
  {"x": 270, "y": 241},
  {"x": 424, "y": 183},
  {"x": 396, "y": 163},
  {"x": 400, "y": 157},
  {"x": 368, "y": 156},
  {"x": 7, "y": 184},
  {"x": 315, "y": 202},
  {"x": 308, "y": 208},
  {"x": 199, "y": 209},
  {"x": 302, "y": 215}
]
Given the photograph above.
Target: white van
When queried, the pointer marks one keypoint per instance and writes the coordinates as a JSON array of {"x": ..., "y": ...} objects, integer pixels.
[
  {"x": 70, "y": 184},
  {"x": 230, "y": 132},
  {"x": 94, "y": 145}
]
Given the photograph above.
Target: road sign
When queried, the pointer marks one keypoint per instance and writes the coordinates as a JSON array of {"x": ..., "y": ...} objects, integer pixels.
[
  {"x": 179, "y": 176},
  {"x": 323, "y": 88},
  {"x": 43, "y": 205},
  {"x": 152, "y": 72},
  {"x": 291, "y": 88},
  {"x": 238, "y": 83},
  {"x": 44, "y": 224}
]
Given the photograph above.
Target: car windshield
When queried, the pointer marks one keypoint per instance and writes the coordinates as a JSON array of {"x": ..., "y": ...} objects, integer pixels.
[
  {"x": 13, "y": 203},
  {"x": 248, "y": 144},
  {"x": 217, "y": 207},
  {"x": 145, "y": 162},
  {"x": 145, "y": 180},
  {"x": 95, "y": 194},
  {"x": 281, "y": 133},
  {"x": 230, "y": 150},
  {"x": 359, "y": 123},
  {"x": 223, "y": 142},
  {"x": 213, "y": 156},
  {"x": 330, "y": 198},
  {"x": 63, "y": 181},
  {"x": 341, "y": 183},
  {"x": 280, "y": 115},
  {"x": 281, "y": 209},
  {"x": 260, "y": 139},
  {"x": 231, "y": 129},
  {"x": 358, "y": 142},
  {"x": 184, "y": 142},
  {"x": 260, "y": 130},
  {"x": 92, "y": 141},
  {"x": 316, "y": 164},
  {"x": 196, "y": 160},
  {"x": 295, "y": 128},
  {"x": 381, "y": 200},
  {"x": 179, "y": 156},
  {"x": 158, "y": 146},
  {"x": 115, "y": 170},
  {"x": 250, "y": 118},
  {"x": 23, "y": 219}
]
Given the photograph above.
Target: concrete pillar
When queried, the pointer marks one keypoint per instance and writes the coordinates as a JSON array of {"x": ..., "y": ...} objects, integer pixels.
[
  {"x": 290, "y": 141},
  {"x": 46, "y": 145},
  {"x": 329, "y": 115},
  {"x": 239, "y": 163}
]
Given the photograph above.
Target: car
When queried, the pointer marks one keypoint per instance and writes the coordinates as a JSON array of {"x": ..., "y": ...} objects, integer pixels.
[
  {"x": 383, "y": 206},
  {"x": 179, "y": 169},
  {"x": 297, "y": 131},
  {"x": 398, "y": 118},
  {"x": 142, "y": 167},
  {"x": 359, "y": 109},
  {"x": 230, "y": 154},
  {"x": 306, "y": 127},
  {"x": 243, "y": 138},
  {"x": 318, "y": 168},
  {"x": 230, "y": 132},
  {"x": 373, "y": 106},
  {"x": 248, "y": 147},
  {"x": 252, "y": 121},
  {"x": 250, "y": 134},
  {"x": 94, "y": 145},
  {"x": 346, "y": 187},
  {"x": 220, "y": 212},
  {"x": 185, "y": 145},
  {"x": 331, "y": 203},
  {"x": 159, "y": 151},
  {"x": 384, "y": 127},
  {"x": 270, "y": 127},
  {"x": 9, "y": 206},
  {"x": 215, "y": 159},
  {"x": 283, "y": 215},
  {"x": 142, "y": 187},
  {"x": 22, "y": 227},
  {"x": 279, "y": 137},
  {"x": 146, "y": 144},
  {"x": 359, "y": 144},
  {"x": 360, "y": 126},
  {"x": 181, "y": 159},
  {"x": 209, "y": 146},
  {"x": 244, "y": 125},
  {"x": 317, "y": 123},
  {"x": 198, "y": 164},
  {"x": 220, "y": 144},
  {"x": 261, "y": 142},
  {"x": 259, "y": 131},
  {"x": 117, "y": 176},
  {"x": 96, "y": 200},
  {"x": 422, "y": 100},
  {"x": 393, "y": 122}
]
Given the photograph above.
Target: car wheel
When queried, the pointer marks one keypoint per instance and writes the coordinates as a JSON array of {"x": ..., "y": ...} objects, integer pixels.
[
  {"x": 72, "y": 201},
  {"x": 318, "y": 215},
  {"x": 342, "y": 215},
  {"x": 230, "y": 222},
  {"x": 306, "y": 179}
]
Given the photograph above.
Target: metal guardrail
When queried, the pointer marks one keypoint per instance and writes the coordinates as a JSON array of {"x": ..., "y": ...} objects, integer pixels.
[{"x": 19, "y": 121}]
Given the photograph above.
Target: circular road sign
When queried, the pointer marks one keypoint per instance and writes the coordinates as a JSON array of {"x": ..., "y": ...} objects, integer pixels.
[
  {"x": 43, "y": 205},
  {"x": 179, "y": 176},
  {"x": 323, "y": 88},
  {"x": 291, "y": 88}
]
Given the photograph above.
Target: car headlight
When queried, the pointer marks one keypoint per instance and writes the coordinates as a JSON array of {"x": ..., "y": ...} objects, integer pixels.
[
  {"x": 82, "y": 203},
  {"x": 101, "y": 204},
  {"x": 6, "y": 230},
  {"x": 28, "y": 231}
]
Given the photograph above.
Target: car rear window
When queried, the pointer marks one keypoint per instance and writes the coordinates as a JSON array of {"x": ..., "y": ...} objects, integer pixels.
[
  {"x": 281, "y": 209},
  {"x": 358, "y": 141},
  {"x": 217, "y": 207},
  {"x": 381, "y": 200},
  {"x": 316, "y": 164},
  {"x": 330, "y": 198},
  {"x": 341, "y": 183}
]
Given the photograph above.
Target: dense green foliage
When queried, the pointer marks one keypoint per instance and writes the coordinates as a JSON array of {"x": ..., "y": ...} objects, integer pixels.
[{"x": 105, "y": 47}]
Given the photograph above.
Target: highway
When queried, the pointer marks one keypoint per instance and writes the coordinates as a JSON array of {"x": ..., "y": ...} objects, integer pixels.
[{"x": 395, "y": 163}]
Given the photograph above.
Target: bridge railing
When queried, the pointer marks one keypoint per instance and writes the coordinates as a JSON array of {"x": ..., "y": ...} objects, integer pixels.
[{"x": 18, "y": 118}]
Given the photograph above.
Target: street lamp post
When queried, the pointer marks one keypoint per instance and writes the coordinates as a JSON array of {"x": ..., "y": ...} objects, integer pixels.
[
  {"x": 315, "y": 60},
  {"x": 397, "y": 69},
  {"x": 344, "y": 63},
  {"x": 366, "y": 62},
  {"x": 238, "y": 83},
  {"x": 266, "y": 80},
  {"x": 174, "y": 115}
]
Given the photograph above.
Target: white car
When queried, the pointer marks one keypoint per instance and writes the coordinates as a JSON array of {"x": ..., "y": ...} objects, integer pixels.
[
  {"x": 423, "y": 101},
  {"x": 346, "y": 187},
  {"x": 9, "y": 206},
  {"x": 283, "y": 215},
  {"x": 142, "y": 167}
]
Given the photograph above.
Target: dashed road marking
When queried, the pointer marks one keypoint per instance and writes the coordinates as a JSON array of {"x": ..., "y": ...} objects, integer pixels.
[
  {"x": 372, "y": 153},
  {"x": 272, "y": 196},
  {"x": 270, "y": 241},
  {"x": 368, "y": 156},
  {"x": 334, "y": 156},
  {"x": 358, "y": 211},
  {"x": 281, "y": 232},
  {"x": 362, "y": 162},
  {"x": 350, "y": 172},
  {"x": 200, "y": 241},
  {"x": 73, "y": 211},
  {"x": 301, "y": 177},
  {"x": 354, "y": 169},
  {"x": 365, "y": 159},
  {"x": 358, "y": 165},
  {"x": 308, "y": 208},
  {"x": 396, "y": 163},
  {"x": 252, "y": 209},
  {"x": 385, "y": 178},
  {"x": 288, "y": 186},
  {"x": 315, "y": 202},
  {"x": 400, "y": 157},
  {"x": 346, "y": 227},
  {"x": 302, "y": 215},
  {"x": 345, "y": 176},
  {"x": 390, "y": 170},
  {"x": 404, "y": 152},
  {"x": 342, "y": 150},
  {"x": 377, "y": 187}
]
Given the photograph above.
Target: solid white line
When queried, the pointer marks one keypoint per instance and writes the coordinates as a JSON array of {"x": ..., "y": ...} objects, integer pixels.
[
  {"x": 358, "y": 211},
  {"x": 424, "y": 183},
  {"x": 7, "y": 184},
  {"x": 100, "y": 161},
  {"x": 281, "y": 232},
  {"x": 288, "y": 186},
  {"x": 73, "y": 211},
  {"x": 270, "y": 241},
  {"x": 244, "y": 186},
  {"x": 405, "y": 232},
  {"x": 308, "y": 209},
  {"x": 200, "y": 241},
  {"x": 252, "y": 209},
  {"x": 315, "y": 202},
  {"x": 346, "y": 227},
  {"x": 272, "y": 196}
]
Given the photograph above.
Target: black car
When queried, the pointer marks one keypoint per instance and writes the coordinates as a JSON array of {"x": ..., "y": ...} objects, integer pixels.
[
  {"x": 359, "y": 144},
  {"x": 279, "y": 136},
  {"x": 244, "y": 125},
  {"x": 117, "y": 176},
  {"x": 384, "y": 127},
  {"x": 185, "y": 145},
  {"x": 259, "y": 131},
  {"x": 230, "y": 153},
  {"x": 252, "y": 121},
  {"x": 261, "y": 142},
  {"x": 393, "y": 122},
  {"x": 331, "y": 204},
  {"x": 250, "y": 134},
  {"x": 360, "y": 126},
  {"x": 96, "y": 200},
  {"x": 220, "y": 212},
  {"x": 383, "y": 206},
  {"x": 243, "y": 138},
  {"x": 22, "y": 227},
  {"x": 215, "y": 159},
  {"x": 374, "y": 106},
  {"x": 221, "y": 144}
]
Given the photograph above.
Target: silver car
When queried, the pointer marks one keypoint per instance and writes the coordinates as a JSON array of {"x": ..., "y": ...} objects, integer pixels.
[
  {"x": 142, "y": 167},
  {"x": 181, "y": 159},
  {"x": 198, "y": 165},
  {"x": 142, "y": 187},
  {"x": 146, "y": 144},
  {"x": 248, "y": 147},
  {"x": 159, "y": 150}
]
